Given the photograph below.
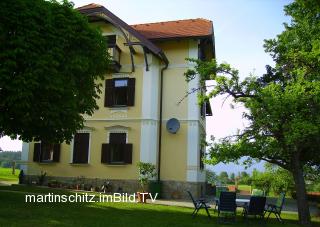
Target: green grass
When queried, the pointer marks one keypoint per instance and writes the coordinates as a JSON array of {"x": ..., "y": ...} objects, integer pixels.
[
  {"x": 6, "y": 174},
  {"x": 244, "y": 187},
  {"x": 15, "y": 212}
]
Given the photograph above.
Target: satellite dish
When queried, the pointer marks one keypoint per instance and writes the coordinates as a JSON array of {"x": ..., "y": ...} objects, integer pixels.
[{"x": 173, "y": 125}]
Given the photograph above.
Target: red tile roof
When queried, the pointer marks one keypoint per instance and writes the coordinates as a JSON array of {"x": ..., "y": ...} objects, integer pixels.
[
  {"x": 170, "y": 29},
  {"x": 176, "y": 29}
]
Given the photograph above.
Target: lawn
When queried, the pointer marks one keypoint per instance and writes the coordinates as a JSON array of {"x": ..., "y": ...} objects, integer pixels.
[
  {"x": 15, "y": 212},
  {"x": 6, "y": 174},
  {"x": 244, "y": 187}
]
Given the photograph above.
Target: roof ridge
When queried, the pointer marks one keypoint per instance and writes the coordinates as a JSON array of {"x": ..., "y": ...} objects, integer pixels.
[
  {"x": 160, "y": 22},
  {"x": 94, "y": 5}
]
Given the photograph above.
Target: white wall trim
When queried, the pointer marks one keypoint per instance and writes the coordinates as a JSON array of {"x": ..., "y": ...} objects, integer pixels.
[
  {"x": 171, "y": 66},
  {"x": 150, "y": 112},
  {"x": 120, "y": 75},
  {"x": 193, "y": 157},
  {"x": 117, "y": 129},
  {"x": 25, "y": 156},
  {"x": 139, "y": 119}
]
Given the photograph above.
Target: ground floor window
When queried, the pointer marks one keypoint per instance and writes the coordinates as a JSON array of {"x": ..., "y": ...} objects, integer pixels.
[
  {"x": 81, "y": 148},
  {"x": 117, "y": 151},
  {"x": 46, "y": 152}
]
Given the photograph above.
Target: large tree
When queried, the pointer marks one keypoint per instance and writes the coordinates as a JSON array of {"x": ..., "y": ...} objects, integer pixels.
[
  {"x": 50, "y": 59},
  {"x": 283, "y": 106}
]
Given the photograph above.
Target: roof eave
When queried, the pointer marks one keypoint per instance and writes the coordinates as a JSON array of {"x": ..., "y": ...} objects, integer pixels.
[{"x": 153, "y": 48}]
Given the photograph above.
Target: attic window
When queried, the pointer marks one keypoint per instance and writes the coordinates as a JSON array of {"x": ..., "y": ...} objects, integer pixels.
[
  {"x": 111, "y": 40},
  {"x": 114, "y": 51}
]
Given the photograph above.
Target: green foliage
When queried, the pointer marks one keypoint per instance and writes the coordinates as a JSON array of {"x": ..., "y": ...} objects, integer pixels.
[
  {"x": 224, "y": 177},
  {"x": 146, "y": 172},
  {"x": 10, "y": 155},
  {"x": 283, "y": 105},
  {"x": 232, "y": 178},
  {"x": 50, "y": 59},
  {"x": 244, "y": 178},
  {"x": 261, "y": 181},
  {"x": 6, "y": 158},
  {"x": 281, "y": 179},
  {"x": 211, "y": 177}
]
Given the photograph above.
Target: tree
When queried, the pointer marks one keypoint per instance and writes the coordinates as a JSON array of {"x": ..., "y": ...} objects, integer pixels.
[
  {"x": 224, "y": 177},
  {"x": 283, "y": 105},
  {"x": 262, "y": 181},
  {"x": 211, "y": 177},
  {"x": 281, "y": 179},
  {"x": 244, "y": 178},
  {"x": 50, "y": 59},
  {"x": 232, "y": 178}
]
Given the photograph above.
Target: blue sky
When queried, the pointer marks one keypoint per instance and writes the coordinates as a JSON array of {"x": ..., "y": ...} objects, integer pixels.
[{"x": 240, "y": 26}]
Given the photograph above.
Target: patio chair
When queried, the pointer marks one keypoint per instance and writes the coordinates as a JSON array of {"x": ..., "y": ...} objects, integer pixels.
[
  {"x": 255, "y": 207},
  {"x": 276, "y": 208},
  {"x": 219, "y": 189},
  {"x": 198, "y": 204},
  {"x": 227, "y": 204}
]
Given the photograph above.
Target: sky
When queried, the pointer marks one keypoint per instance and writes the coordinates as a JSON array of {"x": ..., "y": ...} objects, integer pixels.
[{"x": 240, "y": 26}]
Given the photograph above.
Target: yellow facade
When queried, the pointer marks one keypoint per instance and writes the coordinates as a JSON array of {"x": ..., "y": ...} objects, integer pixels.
[{"x": 179, "y": 152}]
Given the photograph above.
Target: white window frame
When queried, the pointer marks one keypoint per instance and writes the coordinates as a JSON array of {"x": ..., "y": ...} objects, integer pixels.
[{"x": 117, "y": 129}]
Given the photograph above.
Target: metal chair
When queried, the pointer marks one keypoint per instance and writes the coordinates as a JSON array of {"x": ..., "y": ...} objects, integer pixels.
[
  {"x": 276, "y": 208},
  {"x": 255, "y": 207},
  {"x": 227, "y": 204},
  {"x": 198, "y": 204}
]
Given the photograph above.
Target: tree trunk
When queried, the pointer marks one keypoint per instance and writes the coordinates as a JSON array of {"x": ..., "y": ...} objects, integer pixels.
[{"x": 300, "y": 186}]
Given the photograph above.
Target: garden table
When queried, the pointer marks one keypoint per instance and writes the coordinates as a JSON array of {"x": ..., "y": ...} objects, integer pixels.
[{"x": 242, "y": 202}]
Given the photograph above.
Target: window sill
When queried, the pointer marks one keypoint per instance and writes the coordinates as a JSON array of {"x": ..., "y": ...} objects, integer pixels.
[
  {"x": 47, "y": 162},
  {"x": 79, "y": 164},
  {"x": 116, "y": 164},
  {"x": 120, "y": 107}
]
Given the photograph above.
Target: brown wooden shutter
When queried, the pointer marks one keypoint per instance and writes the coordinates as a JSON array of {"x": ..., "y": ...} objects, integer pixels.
[
  {"x": 105, "y": 153},
  {"x": 37, "y": 152},
  {"x": 56, "y": 152},
  {"x": 131, "y": 91},
  {"x": 108, "y": 95},
  {"x": 81, "y": 148},
  {"x": 128, "y": 153}
]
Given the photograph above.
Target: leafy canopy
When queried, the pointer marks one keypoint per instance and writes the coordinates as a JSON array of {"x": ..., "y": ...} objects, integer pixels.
[
  {"x": 283, "y": 104},
  {"x": 50, "y": 59}
]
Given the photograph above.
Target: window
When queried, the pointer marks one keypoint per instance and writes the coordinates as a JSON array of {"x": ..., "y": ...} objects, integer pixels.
[
  {"x": 114, "y": 51},
  {"x": 81, "y": 148},
  {"x": 46, "y": 152},
  {"x": 119, "y": 92},
  {"x": 205, "y": 109},
  {"x": 117, "y": 151},
  {"x": 111, "y": 40}
]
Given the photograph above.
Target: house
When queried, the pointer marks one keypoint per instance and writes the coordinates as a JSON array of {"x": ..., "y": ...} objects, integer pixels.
[{"x": 143, "y": 90}]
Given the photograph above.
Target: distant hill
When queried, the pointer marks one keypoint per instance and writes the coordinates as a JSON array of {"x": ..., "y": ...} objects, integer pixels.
[{"x": 6, "y": 158}]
